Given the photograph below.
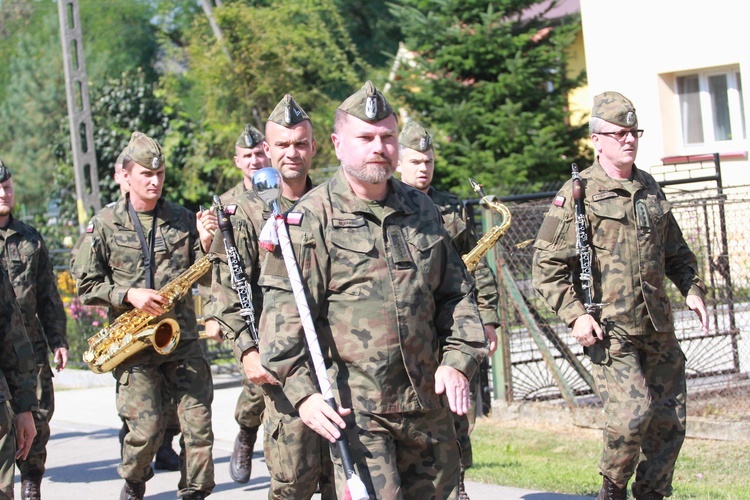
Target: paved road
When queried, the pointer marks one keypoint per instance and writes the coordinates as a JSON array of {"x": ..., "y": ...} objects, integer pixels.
[{"x": 83, "y": 452}]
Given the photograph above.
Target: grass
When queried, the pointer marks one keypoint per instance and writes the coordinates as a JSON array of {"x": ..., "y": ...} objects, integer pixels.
[{"x": 563, "y": 459}]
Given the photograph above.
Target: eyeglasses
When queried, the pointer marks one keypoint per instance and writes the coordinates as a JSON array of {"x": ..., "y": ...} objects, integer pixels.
[{"x": 622, "y": 134}]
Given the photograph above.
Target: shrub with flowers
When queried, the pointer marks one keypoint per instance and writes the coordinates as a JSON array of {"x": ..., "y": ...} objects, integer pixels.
[{"x": 83, "y": 321}]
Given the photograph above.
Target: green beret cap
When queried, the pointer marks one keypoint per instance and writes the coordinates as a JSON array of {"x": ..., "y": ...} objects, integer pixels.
[
  {"x": 615, "y": 108},
  {"x": 145, "y": 151},
  {"x": 416, "y": 137},
  {"x": 288, "y": 113},
  {"x": 367, "y": 104},
  {"x": 250, "y": 137},
  {"x": 4, "y": 172}
]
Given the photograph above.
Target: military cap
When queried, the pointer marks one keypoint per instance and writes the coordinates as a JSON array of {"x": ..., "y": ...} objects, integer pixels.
[
  {"x": 250, "y": 137},
  {"x": 287, "y": 112},
  {"x": 4, "y": 172},
  {"x": 145, "y": 151},
  {"x": 416, "y": 137},
  {"x": 367, "y": 104},
  {"x": 615, "y": 108}
]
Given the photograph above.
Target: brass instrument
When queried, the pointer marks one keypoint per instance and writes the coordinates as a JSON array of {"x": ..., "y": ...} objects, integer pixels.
[
  {"x": 483, "y": 246},
  {"x": 131, "y": 331}
]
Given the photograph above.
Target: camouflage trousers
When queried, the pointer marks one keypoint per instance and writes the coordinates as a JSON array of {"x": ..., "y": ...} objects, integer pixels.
[
  {"x": 403, "y": 455},
  {"x": 465, "y": 424},
  {"x": 140, "y": 402},
  {"x": 33, "y": 466},
  {"x": 298, "y": 458},
  {"x": 250, "y": 404},
  {"x": 644, "y": 393},
  {"x": 7, "y": 451}
]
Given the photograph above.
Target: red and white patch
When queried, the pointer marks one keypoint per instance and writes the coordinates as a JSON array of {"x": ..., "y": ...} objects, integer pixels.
[
  {"x": 559, "y": 200},
  {"x": 90, "y": 227},
  {"x": 230, "y": 209},
  {"x": 294, "y": 218}
]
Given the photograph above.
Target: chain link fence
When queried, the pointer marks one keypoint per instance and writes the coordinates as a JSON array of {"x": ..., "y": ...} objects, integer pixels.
[{"x": 538, "y": 358}]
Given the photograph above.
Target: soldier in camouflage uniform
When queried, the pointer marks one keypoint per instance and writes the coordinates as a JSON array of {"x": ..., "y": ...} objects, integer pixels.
[
  {"x": 24, "y": 256},
  {"x": 394, "y": 309},
  {"x": 249, "y": 157},
  {"x": 636, "y": 243},
  {"x": 111, "y": 270},
  {"x": 416, "y": 164},
  {"x": 17, "y": 386},
  {"x": 298, "y": 458}
]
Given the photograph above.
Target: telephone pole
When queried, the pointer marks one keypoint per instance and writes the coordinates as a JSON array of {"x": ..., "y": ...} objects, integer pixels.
[{"x": 79, "y": 112}]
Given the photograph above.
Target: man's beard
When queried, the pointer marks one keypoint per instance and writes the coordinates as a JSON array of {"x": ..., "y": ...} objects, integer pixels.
[
  {"x": 6, "y": 210},
  {"x": 372, "y": 174}
]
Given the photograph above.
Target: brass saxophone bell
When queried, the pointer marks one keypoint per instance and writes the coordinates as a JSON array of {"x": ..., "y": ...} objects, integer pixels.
[{"x": 267, "y": 185}]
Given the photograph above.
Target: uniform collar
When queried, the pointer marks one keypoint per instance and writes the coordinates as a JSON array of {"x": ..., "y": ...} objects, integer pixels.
[{"x": 397, "y": 199}]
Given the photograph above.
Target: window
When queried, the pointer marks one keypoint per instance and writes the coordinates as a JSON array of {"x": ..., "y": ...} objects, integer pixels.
[{"x": 711, "y": 107}]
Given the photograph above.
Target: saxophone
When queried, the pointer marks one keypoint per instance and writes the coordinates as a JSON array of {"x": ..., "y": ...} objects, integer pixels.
[
  {"x": 132, "y": 332},
  {"x": 483, "y": 246}
]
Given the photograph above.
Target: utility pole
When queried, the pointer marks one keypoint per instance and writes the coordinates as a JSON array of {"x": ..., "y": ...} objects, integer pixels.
[{"x": 79, "y": 112}]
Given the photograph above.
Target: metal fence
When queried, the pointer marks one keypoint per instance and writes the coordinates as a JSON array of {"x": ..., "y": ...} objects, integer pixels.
[{"x": 539, "y": 360}]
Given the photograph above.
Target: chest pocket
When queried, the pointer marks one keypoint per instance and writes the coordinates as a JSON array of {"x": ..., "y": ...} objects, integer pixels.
[
  {"x": 351, "y": 257},
  {"x": 126, "y": 255},
  {"x": 606, "y": 221}
]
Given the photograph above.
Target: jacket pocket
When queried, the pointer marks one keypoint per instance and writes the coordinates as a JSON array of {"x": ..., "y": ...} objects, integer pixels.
[{"x": 606, "y": 221}]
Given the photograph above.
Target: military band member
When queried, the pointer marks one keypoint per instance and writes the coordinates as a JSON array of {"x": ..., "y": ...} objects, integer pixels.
[
  {"x": 298, "y": 458},
  {"x": 635, "y": 243},
  {"x": 25, "y": 257},
  {"x": 394, "y": 309},
  {"x": 416, "y": 164},
  {"x": 249, "y": 157},
  {"x": 131, "y": 250}
]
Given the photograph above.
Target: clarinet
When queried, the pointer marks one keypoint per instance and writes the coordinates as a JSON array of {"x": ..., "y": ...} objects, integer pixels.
[
  {"x": 597, "y": 352},
  {"x": 237, "y": 272}
]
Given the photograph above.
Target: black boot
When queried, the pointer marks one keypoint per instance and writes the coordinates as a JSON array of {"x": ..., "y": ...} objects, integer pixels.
[
  {"x": 610, "y": 491},
  {"x": 651, "y": 495},
  {"x": 166, "y": 458},
  {"x": 31, "y": 488},
  {"x": 133, "y": 491},
  {"x": 462, "y": 495},
  {"x": 240, "y": 464}
]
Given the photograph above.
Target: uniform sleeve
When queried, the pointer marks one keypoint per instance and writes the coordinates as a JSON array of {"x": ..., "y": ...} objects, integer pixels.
[
  {"x": 283, "y": 349},
  {"x": 17, "y": 362},
  {"x": 50, "y": 310},
  {"x": 555, "y": 260},
  {"x": 93, "y": 274},
  {"x": 225, "y": 306}
]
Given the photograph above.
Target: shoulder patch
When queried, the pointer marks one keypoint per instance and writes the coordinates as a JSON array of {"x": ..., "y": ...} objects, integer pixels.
[
  {"x": 90, "y": 227},
  {"x": 355, "y": 222},
  {"x": 604, "y": 195},
  {"x": 559, "y": 200},
  {"x": 294, "y": 218},
  {"x": 230, "y": 209}
]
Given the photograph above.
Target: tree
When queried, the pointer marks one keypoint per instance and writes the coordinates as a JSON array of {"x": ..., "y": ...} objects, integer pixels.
[{"x": 491, "y": 83}]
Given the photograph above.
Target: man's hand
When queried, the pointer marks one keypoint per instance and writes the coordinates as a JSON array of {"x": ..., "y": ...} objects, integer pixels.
[
  {"x": 25, "y": 434},
  {"x": 491, "y": 334},
  {"x": 61, "y": 358},
  {"x": 317, "y": 415},
  {"x": 213, "y": 330},
  {"x": 147, "y": 300},
  {"x": 254, "y": 370},
  {"x": 695, "y": 303},
  {"x": 207, "y": 223},
  {"x": 586, "y": 330},
  {"x": 455, "y": 385}
]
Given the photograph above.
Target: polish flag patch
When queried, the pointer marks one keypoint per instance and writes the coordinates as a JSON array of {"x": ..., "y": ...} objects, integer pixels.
[
  {"x": 559, "y": 200},
  {"x": 230, "y": 209},
  {"x": 294, "y": 218},
  {"x": 90, "y": 227}
]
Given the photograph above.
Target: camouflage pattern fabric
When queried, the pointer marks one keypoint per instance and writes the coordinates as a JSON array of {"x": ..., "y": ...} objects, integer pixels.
[
  {"x": 464, "y": 237},
  {"x": 17, "y": 377},
  {"x": 233, "y": 193},
  {"x": 109, "y": 262},
  {"x": 389, "y": 299},
  {"x": 26, "y": 258},
  {"x": 287, "y": 441},
  {"x": 635, "y": 243}
]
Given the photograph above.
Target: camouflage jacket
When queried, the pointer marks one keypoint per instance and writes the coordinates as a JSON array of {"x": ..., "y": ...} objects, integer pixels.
[
  {"x": 233, "y": 192},
  {"x": 17, "y": 365},
  {"x": 635, "y": 242},
  {"x": 248, "y": 214},
  {"x": 110, "y": 260},
  {"x": 464, "y": 238},
  {"x": 27, "y": 261},
  {"x": 390, "y": 300}
]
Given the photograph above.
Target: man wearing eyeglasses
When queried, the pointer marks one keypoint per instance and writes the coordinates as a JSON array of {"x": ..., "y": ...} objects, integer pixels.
[{"x": 635, "y": 243}]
